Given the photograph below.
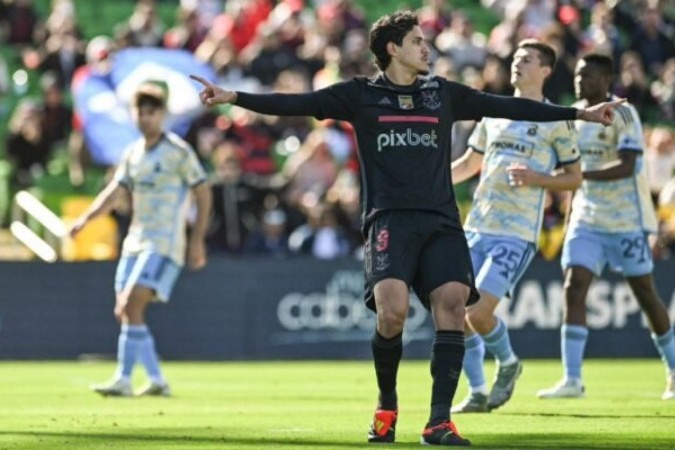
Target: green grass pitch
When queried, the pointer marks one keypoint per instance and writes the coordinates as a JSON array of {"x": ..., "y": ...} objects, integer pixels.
[{"x": 320, "y": 405}]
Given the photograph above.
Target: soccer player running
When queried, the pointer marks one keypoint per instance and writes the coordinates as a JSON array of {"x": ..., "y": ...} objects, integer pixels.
[
  {"x": 402, "y": 120},
  {"x": 159, "y": 170},
  {"x": 612, "y": 215},
  {"x": 517, "y": 160}
]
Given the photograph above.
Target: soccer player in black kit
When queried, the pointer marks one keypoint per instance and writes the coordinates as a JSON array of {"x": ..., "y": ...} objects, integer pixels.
[{"x": 402, "y": 119}]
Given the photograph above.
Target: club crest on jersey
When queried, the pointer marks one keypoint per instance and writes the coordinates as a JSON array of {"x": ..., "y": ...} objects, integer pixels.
[
  {"x": 602, "y": 135},
  {"x": 405, "y": 102},
  {"x": 430, "y": 100},
  {"x": 532, "y": 131}
]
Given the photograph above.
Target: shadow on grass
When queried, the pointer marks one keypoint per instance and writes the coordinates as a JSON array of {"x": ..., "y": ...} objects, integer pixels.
[{"x": 194, "y": 438}]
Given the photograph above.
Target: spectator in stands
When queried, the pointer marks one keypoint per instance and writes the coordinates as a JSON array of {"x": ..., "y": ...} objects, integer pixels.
[
  {"x": 18, "y": 22},
  {"x": 26, "y": 144},
  {"x": 188, "y": 34},
  {"x": 660, "y": 159},
  {"x": 255, "y": 137},
  {"x": 61, "y": 48},
  {"x": 4, "y": 77},
  {"x": 57, "y": 117},
  {"x": 145, "y": 27},
  {"x": 650, "y": 42},
  {"x": 237, "y": 201},
  {"x": 504, "y": 37},
  {"x": 633, "y": 84},
  {"x": 462, "y": 43},
  {"x": 98, "y": 56},
  {"x": 343, "y": 198},
  {"x": 294, "y": 128},
  {"x": 338, "y": 17},
  {"x": 601, "y": 35},
  {"x": 240, "y": 21},
  {"x": 496, "y": 77},
  {"x": 322, "y": 237},
  {"x": 560, "y": 86},
  {"x": 268, "y": 56},
  {"x": 270, "y": 238},
  {"x": 663, "y": 90},
  {"x": 434, "y": 17},
  {"x": 311, "y": 171}
]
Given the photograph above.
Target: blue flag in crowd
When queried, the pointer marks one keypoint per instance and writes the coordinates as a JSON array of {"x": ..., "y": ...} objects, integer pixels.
[{"x": 103, "y": 101}]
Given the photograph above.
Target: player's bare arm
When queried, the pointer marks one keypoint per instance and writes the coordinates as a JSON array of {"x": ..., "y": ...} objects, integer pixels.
[
  {"x": 616, "y": 170},
  {"x": 567, "y": 179},
  {"x": 466, "y": 166},
  {"x": 102, "y": 204},
  {"x": 196, "y": 247}
]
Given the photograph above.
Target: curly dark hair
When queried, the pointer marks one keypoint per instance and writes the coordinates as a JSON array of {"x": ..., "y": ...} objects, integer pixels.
[{"x": 390, "y": 28}]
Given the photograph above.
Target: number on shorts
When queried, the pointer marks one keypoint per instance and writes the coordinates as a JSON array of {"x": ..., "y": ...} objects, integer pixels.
[
  {"x": 507, "y": 260},
  {"x": 633, "y": 248}
]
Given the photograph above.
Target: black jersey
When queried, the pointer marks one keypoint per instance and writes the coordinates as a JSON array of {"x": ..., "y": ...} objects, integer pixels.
[{"x": 403, "y": 132}]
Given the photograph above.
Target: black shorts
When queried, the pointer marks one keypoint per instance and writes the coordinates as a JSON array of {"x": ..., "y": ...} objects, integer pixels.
[{"x": 422, "y": 248}]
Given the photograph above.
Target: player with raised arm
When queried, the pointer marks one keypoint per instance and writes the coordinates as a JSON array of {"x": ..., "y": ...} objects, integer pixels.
[
  {"x": 612, "y": 216},
  {"x": 402, "y": 120},
  {"x": 518, "y": 162},
  {"x": 158, "y": 171}
]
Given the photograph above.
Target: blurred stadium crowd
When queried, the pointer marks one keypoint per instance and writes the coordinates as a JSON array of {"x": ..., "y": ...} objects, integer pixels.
[{"x": 285, "y": 186}]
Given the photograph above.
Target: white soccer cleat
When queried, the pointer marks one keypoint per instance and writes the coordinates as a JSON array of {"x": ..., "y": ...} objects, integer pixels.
[
  {"x": 153, "y": 389},
  {"x": 670, "y": 389},
  {"x": 115, "y": 388},
  {"x": 568, "y": 388}
]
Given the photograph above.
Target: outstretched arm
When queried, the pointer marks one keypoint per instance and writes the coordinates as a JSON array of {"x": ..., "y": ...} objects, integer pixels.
[
  {"x": 332, "y": 102},
  {"x": 478, "y": 104},
  {"x": 103, "y": 202}
]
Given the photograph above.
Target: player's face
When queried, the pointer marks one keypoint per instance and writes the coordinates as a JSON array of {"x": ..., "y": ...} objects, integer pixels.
[
  {"x": 149, "y": 119},
  {"x": 589, "y": 83},
  {"x": 526, "y": 69},
  {"x": 414, "y": 52}
]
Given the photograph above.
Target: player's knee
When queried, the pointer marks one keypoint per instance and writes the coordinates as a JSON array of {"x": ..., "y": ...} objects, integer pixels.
[
  {"x": 480, "y": 320},
  {"x": 575, "y": 288},
  {"x": 390, "y": 319}
]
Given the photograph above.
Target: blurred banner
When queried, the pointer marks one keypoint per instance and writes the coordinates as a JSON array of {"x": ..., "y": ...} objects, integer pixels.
[
  {"x": 102, "y": 101},
  {"x": 291, "y": 309}
]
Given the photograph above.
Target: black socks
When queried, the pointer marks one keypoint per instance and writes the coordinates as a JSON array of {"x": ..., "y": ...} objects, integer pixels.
[
  {"x": 387, "y": 355},
  {"x": 447, "y": 357}
]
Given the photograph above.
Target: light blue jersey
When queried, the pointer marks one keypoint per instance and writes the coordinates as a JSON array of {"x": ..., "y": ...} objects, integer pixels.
[
  {"x": 610, "y": 220},
  {"x": 159, "y": 181},
  {"x": 617, "y": 206},
  {"x": 517, "y": 211}
]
